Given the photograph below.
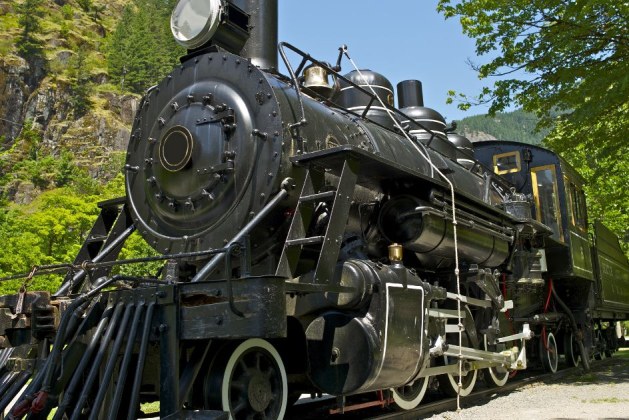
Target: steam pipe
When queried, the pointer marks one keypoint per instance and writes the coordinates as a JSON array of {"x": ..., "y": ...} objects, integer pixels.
[
  {"x": 124, "y": 367},
  {"x": 111, "y": 361},
  {"x": 139, "y": 369},
  {"x": 573, "y": 324}
]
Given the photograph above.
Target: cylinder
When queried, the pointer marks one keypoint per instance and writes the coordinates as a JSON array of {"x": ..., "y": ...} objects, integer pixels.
[
  {"x": 261, "y": 47},
  {"x": 431, "y": 237},
  {"x": 409, "y": 93}
]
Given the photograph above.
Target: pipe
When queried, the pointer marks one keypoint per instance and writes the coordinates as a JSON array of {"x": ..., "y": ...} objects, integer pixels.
[
  {"x": 409, "y": 93},
  {"x": 214, "y": 262},
  {"x": 137, "y": 381},
  {"x": 78, "y": 277},
  {"x": 573, "y": 324},
  {"x": 80, "y": 369},
  {"x": 17, "y": 383},
  {"x": 96, "y": 364},
  {"x": 111, "y": 362},
  {"x": 6, "y": 380},
  {"x": 124, "y": 366}
]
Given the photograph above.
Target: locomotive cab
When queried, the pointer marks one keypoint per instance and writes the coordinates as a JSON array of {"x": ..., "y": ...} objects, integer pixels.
[
  {"x": 558, "y": 200},
  {"x": 588, "y": 269}
]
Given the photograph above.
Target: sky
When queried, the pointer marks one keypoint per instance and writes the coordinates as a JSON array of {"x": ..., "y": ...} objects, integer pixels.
[{"x": 401, "y": 39}]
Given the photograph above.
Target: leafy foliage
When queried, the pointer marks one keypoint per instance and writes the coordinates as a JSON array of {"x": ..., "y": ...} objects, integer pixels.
[
  {"x": 566, "y": 57},
  {"x": 48, "y": 231},
  {"x": 29, "y": 161},
  {"x": 605, "y": 167},
  {"x": 142, "y": 49},
  {"x": 576, "y": 52}
]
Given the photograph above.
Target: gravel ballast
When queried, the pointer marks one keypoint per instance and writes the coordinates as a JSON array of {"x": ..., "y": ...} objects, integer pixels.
[{"x": 602, "y": 393}]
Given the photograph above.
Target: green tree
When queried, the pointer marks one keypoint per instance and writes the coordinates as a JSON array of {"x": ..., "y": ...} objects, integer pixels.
[
  {"x": 80, "y": 84},
  {"x": 28, "y": 161},
  {"x": 86, "y": 5},
  {"x": 568, "y": 62},
  {"x": 29, "y": 16},
  {"x": 141, "y": 48},
  {"x": 50, "y": 230}
]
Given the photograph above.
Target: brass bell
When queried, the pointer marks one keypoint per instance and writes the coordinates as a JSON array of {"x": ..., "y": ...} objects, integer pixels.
[{"x": 316, "y": 79}]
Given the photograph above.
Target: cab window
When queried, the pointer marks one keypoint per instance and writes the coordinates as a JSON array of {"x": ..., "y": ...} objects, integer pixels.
[
  {"x": 506, "y": 163},
  {"x": 583, "y": 216},
  {"x": 577, "y": 207},
  {"x": 546, "y": 199}
]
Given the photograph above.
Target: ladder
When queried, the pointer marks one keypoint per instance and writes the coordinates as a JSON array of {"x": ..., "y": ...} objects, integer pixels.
[{"x": 327, "y": 245}]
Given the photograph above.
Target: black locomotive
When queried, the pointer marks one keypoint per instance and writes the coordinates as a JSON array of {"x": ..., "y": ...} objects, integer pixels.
[{"x": 315, "y": 239}]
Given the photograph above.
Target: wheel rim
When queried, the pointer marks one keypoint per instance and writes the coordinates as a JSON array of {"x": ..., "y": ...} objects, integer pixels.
[
  {"x": 449, "y": 383},
  {"x": 550, "y": 356},
  {"x": 573, "y": 358},
  {"x": 253, "y": 384},
  {"x": 601, "y": 346},
  {"x": 494, "y": 376},
  {"x": 452, "y": 383},
  {"x": 409, "y": 396}
]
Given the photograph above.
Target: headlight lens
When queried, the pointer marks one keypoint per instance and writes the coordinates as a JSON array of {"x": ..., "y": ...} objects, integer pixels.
[{"x": 194, "y": 22}]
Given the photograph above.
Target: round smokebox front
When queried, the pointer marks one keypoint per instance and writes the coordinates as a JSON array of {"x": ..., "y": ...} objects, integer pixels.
[{"x": 204, "y": 155}]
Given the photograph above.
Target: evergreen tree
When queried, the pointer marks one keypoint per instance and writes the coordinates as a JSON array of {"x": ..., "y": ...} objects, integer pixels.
[
  {"x": 141, "y": 49},
  {"x": 29, "y": 15},
  {"x": 81, "y": 85}
]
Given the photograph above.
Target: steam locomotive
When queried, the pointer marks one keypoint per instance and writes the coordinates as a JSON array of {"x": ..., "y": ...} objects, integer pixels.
[{"x": 314, "y": 239}]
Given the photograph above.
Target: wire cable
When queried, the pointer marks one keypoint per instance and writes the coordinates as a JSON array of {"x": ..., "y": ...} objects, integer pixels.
[{"x": 454, "y": 221}]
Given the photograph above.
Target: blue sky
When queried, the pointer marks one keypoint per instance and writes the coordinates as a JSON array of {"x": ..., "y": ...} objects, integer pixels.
[{"x": 402, "y": 39}]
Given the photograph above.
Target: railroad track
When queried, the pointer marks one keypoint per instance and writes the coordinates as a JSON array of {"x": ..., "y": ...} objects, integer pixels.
[{"x": 434, "y": 404}]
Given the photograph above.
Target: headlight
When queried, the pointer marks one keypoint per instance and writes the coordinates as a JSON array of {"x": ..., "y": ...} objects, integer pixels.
[{"x": 194, "y": 22}]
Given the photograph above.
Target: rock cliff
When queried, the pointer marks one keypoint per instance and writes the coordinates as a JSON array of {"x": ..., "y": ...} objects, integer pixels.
[{"x": 39, "y": 88}]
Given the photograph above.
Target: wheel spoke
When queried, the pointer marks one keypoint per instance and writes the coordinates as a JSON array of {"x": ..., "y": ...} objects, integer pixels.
[
  {"x": 241, "y": 406},
  {"x": 253, "y": 382},
  {"x": 243, "y": 365},
  {"x": 259, "y": 361},
  {"x": 270, "y": 372},
  {"x": 240, "y": 385}
]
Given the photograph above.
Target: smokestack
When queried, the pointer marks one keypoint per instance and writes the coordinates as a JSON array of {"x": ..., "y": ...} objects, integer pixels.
[
  {"x": 261, "y": 47},
  {"x": 409, "y": 93}
]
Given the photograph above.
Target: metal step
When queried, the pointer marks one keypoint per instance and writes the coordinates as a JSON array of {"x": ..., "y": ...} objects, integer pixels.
[
  {"x": 312, "y": 240},
  {"x": 323, "y": 196}
]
